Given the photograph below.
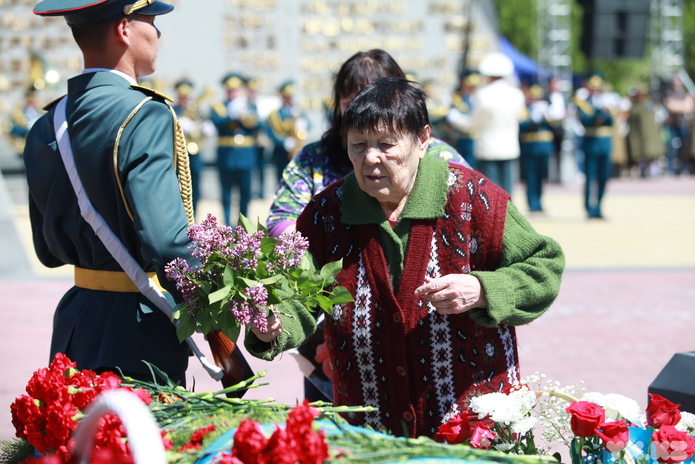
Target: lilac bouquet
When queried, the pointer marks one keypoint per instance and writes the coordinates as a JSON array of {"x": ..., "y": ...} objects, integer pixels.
[{"x": 244, "y": 275}]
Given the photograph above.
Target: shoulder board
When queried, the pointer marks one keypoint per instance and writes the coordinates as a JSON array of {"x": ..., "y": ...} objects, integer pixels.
[
  {"x": 220, "y": 109},
  {"x": 53, "y": 103},
  {"x": 152, "y": 93}
]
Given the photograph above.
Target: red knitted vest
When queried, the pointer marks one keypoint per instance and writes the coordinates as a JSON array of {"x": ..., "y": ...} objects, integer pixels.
[{"x": 393, "y": 351}]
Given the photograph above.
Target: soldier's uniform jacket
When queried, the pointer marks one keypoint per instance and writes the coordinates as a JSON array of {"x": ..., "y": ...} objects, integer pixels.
[
  {"x": 237, "y": 131},
  {"x": 138, "y": 196}
]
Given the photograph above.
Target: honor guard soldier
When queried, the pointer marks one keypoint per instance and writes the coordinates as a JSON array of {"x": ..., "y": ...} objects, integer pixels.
[
  {"x": 536, "y": 144},
  {"x": 287, "y": 128},
  {"x": 195, "y": 127},
  {"x": 22, "y": 118},
  {"x": 236, "y": 144},
  {"x": 459, "y": 116},
  {"x": 104, "y": 195},
  {"x": 596, "y": 144},
  {"x": 252, "y": 87}
]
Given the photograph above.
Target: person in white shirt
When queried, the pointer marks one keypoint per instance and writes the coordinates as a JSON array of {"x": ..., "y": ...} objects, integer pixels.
[{"x": 499, "y": 108}]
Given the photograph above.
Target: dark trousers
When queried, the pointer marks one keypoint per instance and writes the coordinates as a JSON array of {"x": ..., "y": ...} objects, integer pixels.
[
  {"x": 536, "y": 171},
  {"x": 229, "y": 179},
  {"x": 597, "y": 169}
]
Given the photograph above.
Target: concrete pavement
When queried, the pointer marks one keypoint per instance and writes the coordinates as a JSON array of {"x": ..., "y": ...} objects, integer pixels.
[{"x": 627, "y": 302}]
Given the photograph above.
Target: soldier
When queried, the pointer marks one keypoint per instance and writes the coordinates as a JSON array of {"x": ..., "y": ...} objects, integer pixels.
[
  {"x": 460, "y": 114},
  {"x": 287, "y": 128},
  {"x": 22, "y": 118},
  {"x": 236, "y": 144},
  {"x": 596, "y": 144},
  {"x": 536, "y": 144},
  {"x": 252, "y": 87},
  {"x": 122, "y": 141},
  {"x": 196, "y": 129}
]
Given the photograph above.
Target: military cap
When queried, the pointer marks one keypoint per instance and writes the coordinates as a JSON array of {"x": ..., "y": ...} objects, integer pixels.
[
  {"x": 287, "y": 89},
  {"x": 253, "y": 83},
  {"x": 595, "y": 80},
  {"x": 233, "y": 81},
  {"x": 82, "y": 13},
  {"x": 184, "y": 86},
  {"x": 536, "y": 91},
  {"x": 472, "y": 78}
]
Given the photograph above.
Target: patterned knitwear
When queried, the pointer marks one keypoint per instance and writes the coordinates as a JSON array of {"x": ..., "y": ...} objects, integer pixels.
[{"x": 391, "y": 349}]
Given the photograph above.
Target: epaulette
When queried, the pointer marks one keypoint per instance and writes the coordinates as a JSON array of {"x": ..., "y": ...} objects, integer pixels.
[
  {"x": 583, "y": 105},
  {"x": 220, "y": 109},
  {"x": 52, "y": 104},
  {"x": 152, "y": 93}
]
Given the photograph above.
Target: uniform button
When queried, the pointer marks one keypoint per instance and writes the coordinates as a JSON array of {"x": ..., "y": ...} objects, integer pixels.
[
  {"x": 400, "y": 370},
  {"x": 408, "y": 416},
  {"x": 396, "y": 318}
]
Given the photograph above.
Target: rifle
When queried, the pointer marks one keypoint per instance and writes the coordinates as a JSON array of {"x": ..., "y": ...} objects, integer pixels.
[{"x": 228, "y": 357}]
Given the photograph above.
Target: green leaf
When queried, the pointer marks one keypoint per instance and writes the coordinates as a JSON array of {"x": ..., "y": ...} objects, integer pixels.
[
  {"x": 219, "y": 295},
  {"x": 179, "y": 312},
  {"x": 272, "y": 279},
  {"x": 247, "y": 225},
  {"x": 228, "y": 276},
  {"x": 268, "y": 244},
  {"x": 330, "y": 271},
  {"x": 324, "y": 302},
  {"x": 249, "y": 282},
  {"x": 185, "y": 329},
  {"x": 340, "y": 295}
]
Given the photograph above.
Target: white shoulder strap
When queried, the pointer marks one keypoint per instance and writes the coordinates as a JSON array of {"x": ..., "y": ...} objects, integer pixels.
[{"x": 112, "y": 243}]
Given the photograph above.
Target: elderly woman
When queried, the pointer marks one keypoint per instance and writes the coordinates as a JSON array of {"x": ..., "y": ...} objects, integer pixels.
[{"x": 441, "y": 264}]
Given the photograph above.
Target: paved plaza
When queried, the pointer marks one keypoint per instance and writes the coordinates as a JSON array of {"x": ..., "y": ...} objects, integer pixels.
[{"x": 626, "y": 306}]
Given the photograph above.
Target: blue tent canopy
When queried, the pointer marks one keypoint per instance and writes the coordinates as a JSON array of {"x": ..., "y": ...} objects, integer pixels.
[{"x": 526, "y": 69}]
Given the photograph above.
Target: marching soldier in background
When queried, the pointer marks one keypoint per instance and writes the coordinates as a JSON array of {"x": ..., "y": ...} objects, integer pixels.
[
  {"x": 237, "y": 126},
  {"x": 287, "y": 128},
  {"x": 22, "y": 118},
  {"x": 460, "y": 113},
  {"x": 536, "y": 144},
  {"x": 195, "y": 127},
  {"x": 252, "y": 87},
  {"x": 596, "y": 144}
]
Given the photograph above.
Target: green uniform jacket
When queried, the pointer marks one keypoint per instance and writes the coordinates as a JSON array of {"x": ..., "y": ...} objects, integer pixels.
[{"x": 100, "y": 329}]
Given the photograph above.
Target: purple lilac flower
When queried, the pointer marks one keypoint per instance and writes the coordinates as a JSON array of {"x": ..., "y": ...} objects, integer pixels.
[
  {"x": 290, "y": 248},
  {"x": 181, "y": 272},
  {"x": 255, "y": 309}
]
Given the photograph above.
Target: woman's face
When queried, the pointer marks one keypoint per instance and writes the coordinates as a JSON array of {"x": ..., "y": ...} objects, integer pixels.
[
  {"x": 345, "y": 101},
  {"x": 386, "y": 163}
]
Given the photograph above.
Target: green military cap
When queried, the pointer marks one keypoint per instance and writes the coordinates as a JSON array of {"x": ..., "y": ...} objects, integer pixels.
[
  {"x": 472, "y": 78},
  {"x": 82, "y": 13},
  {"x": 536, "y": 91},
  {"x": 253, "y": 83},
  {"x": 233, "y": 81},
  {"x": 595, "y": 80},
  {"x": 287, "y": 89},
  {"x": 183, "y": 86}
]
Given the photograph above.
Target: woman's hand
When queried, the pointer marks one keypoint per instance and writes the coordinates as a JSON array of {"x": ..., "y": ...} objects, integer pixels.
[
  {"x": 273, "y": 332},
  {"x": 453, "y": 293}
]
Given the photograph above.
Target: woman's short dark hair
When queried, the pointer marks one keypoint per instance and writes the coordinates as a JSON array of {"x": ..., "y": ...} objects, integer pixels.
[
  {"x": 390, "y": 101},
  {"x": 358, "y": 71}
]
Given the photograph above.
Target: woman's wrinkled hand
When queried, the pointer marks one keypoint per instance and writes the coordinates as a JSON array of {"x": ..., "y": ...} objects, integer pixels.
[
  {"x": 273, "y": 332},
  {"x": 453, "y": 293}
]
